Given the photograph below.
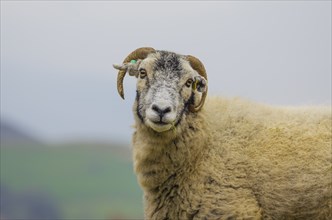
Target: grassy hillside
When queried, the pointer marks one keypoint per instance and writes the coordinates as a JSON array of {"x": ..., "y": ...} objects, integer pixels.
[{"x": 84, "y": 181}]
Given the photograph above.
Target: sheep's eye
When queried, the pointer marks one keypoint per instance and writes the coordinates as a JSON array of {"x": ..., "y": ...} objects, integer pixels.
[
  {"x": 189, "y": 82},
  {"x": 142, "y": 73}
]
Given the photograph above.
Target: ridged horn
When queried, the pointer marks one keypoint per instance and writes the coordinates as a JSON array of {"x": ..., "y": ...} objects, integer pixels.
[
  {"x": 197, "y": 65},
  {"x": 140, "y": 53}
]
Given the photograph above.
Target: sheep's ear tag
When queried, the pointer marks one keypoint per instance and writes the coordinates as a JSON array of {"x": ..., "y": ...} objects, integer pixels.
[
  {"x": 133, "y": 61},
  {"x": 194, "y": 86}
]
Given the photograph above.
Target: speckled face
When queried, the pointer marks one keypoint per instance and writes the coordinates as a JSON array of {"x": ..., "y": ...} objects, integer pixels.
[{"x": 164, "y": 90}]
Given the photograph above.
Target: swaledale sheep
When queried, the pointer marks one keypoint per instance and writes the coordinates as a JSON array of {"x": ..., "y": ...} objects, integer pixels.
[{"x": 231, "y": 159}]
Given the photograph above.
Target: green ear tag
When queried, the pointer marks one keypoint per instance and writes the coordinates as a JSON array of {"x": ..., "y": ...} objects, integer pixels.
[{"x": 133, "y": 61}]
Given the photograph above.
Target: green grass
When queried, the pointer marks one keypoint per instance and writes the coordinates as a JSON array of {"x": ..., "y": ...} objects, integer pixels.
[{"x": 88, "y": 182}]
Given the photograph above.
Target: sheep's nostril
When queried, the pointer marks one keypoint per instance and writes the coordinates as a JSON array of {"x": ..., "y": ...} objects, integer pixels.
[
  {"x": 166, "y": 110},
  {"x": 156, "y": 108},
  {"x": 161, "y": 112}
]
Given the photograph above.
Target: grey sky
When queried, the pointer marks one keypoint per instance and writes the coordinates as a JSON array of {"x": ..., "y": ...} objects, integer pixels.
[{"x": 56, "y": 57}]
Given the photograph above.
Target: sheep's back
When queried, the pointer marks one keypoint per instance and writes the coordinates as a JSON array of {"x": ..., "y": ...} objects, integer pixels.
[{"x": 282, "y": 153}]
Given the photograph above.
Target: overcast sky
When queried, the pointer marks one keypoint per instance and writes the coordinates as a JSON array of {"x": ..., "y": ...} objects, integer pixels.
[{"x": 57, "y": 79}]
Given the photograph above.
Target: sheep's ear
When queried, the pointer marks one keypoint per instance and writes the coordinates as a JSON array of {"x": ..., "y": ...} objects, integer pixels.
[
  {"x": 197, "y": 65},
  {"x": 131, "y": 68},
  {"x": 199, "y": 84}
]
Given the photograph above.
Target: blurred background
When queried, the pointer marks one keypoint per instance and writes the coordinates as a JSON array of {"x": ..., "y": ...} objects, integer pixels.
[{"x": 65, "y": 132}]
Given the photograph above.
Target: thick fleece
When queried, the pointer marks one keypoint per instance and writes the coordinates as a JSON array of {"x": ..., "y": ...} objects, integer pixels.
[{"x": 236, "y": 159}]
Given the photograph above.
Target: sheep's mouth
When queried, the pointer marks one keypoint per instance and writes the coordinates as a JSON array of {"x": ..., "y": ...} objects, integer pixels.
[
  {"x": 159, "y": 126},
  {"x": 160, "y": 122}
]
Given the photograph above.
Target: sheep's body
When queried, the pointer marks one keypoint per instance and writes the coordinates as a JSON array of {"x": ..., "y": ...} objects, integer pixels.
[
  {"x": 238, "y": 160},
  {"x": 231, "y": 159}
]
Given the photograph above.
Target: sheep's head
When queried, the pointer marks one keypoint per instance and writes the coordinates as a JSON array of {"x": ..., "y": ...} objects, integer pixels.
[{"x": 169, "y": 85}]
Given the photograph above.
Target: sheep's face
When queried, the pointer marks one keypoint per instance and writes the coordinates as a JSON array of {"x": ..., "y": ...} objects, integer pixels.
[{"x": 166, "y": 86}]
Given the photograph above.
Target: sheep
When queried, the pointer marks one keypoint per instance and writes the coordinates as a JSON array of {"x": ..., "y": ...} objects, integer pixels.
[{"x": 232, "y": 158}]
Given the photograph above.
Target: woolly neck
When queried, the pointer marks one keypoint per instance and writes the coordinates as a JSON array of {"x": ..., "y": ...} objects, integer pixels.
[{"x": 159, "y": 156}]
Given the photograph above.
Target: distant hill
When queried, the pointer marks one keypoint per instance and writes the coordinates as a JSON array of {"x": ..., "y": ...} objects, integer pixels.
[{"x": 13, "y": 135}]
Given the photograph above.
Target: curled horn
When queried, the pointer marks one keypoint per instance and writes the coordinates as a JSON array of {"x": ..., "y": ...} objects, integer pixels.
[
  {"x": 140, "y": 53},
  {"x": 197, "y": 65}
]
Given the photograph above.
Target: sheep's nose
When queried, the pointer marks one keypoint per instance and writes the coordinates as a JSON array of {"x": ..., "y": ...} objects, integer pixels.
[{"x": 161, "y": 111}]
